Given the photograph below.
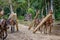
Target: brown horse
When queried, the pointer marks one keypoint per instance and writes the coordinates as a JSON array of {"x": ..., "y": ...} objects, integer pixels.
[
  {"x": 48, "y": 25},
  {"x": 36, "y": 22},
  {"x": 3, "y": 29}
]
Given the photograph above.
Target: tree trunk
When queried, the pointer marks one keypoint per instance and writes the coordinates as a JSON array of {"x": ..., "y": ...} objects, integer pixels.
[
  {"x": 52, "y": 10},
  {"x": 42, "y": 13},
  {"x": 49, "y": 6},
  {"x": 11, "y": 9},
  {"x": 28, "y": 3},
  {"x": 46, "y": 7}
]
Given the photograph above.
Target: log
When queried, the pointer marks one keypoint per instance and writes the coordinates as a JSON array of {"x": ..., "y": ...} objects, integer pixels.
[
  {"x": 17, "y": 23},
  {"x": 33, "y": 20},
  {"x": 42, "y": 22}
]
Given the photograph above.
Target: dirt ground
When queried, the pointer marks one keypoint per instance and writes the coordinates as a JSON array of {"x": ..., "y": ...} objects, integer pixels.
[{"x": 25, "y": 34}]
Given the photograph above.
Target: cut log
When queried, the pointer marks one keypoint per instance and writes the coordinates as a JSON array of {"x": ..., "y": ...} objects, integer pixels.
[
  {"x": 33, "y": 20},
  {"x": 42, "y": 22},
  {"x": 17, "y": 23}
]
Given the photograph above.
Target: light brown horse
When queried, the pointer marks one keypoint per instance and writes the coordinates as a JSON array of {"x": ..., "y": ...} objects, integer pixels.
[{"x": 13, "y": 21}]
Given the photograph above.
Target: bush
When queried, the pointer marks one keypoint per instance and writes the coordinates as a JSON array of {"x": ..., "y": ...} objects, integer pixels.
[
  {"x": 5, "y": 16},
  {"x": 31, "y": 11},
  {"x": 57, "y": 15},
  {"x": 20, "y": 11},
  {"x": 6, "y": 10},
  {"x": 20, "y": 17}
]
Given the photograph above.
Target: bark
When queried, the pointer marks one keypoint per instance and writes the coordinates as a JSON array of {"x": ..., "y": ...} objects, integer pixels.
[
  {"x": 11, "y": 8},
  {"x": 42, "y": 13},
  {"x": 52, "y": 10},
  {"x": 28, "y": 3}
]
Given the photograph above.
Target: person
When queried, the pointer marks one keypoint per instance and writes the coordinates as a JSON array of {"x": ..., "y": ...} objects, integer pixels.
[
  {"x": 1, "y": 15},
  {"x": 1, "y": 12}
]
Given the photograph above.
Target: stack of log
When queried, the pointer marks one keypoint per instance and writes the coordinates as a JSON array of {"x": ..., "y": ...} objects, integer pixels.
[
  {"x": 44, "y": 20},
  {"x": 47, "y": 21}
]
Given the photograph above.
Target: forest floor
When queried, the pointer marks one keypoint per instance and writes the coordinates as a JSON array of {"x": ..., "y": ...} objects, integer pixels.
[{"x": 25, "y": 34}]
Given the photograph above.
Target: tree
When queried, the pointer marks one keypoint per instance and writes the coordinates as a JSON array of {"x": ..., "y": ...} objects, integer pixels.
[
  {"x": 34, "y": 4},
  {"x": 57, "y": 9}
]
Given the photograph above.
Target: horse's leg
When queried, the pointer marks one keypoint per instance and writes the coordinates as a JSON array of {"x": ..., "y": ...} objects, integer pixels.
[
  {"x": 34, "y": 25},
  {"x": 46, "y": 28},
  {"x": 43, "y": 29},
  {"x": 39, "y": 28},
  {"x": 12, "y": 28},
  {"x": 50, "y": 28}
]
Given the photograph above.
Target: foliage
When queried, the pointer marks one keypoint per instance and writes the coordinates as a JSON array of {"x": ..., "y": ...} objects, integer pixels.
[
  {"x": 21, "y": 7},
  {"x": 57, "y": 9},
  {"x": 6, "y": 10},
  {"x": 31, "y": 11},
  {"x": 20, "y": 17},
  {"x": 37, "y": 4}
]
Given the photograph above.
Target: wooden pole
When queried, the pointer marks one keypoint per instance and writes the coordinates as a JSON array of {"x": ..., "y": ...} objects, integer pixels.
[
  {"x": 33, "y": 20},
  {"x": 17, "y": 23},
  {"x": 11, "y": 8},
  {"x": 43, "y": 21}
]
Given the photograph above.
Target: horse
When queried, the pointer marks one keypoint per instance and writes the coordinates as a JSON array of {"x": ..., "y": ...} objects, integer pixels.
[
  {"x": 48, "y": 25},
  {"x": 12, "y": 23},
  {"x": 36, "y": 23},
  {"x": 3, "y": 29}
]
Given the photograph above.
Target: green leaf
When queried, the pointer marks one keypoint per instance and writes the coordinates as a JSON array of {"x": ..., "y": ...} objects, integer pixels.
[{"x": 21, "y": 1}]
